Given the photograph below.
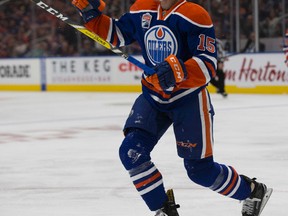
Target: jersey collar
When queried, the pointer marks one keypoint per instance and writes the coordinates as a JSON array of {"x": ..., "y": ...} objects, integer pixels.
[{"x": 164, "y": 14}]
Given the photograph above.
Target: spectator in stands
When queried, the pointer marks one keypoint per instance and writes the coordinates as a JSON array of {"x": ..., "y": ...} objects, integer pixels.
[
  {"x": 88, "y": 48},
  {"x": 39, "y": 49},
  {"x": 250, "y": 45}
]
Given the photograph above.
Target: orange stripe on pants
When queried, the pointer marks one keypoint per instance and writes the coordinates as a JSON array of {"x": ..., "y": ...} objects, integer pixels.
[{"x": 208, "y": 126}]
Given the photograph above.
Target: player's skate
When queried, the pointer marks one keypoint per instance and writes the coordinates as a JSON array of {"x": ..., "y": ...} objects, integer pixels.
[
  {"x": 170, "y": 207},
  {"x": 223, "y": 93},
  {"x": 254, "y": 204}
]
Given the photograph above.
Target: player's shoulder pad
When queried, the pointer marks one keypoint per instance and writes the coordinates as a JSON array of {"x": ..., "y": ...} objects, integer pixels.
[
  {"x": 195, "y": 14},
  {"x": 144, "y": 5}
]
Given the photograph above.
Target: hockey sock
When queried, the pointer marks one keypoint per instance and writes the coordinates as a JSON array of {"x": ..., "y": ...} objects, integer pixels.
[
  {"x": 135, "y": 156},
  {"x": 148, "y": 182},
  {"x": 229, "y": 183},
  {"x": 218, "y": 177}
]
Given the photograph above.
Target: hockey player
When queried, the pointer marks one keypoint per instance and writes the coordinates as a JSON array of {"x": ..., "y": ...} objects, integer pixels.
[
  {"x": 177, "y": 40},
  {"x": 285, "y": 48},
  {"x": 219, "y": 80}
]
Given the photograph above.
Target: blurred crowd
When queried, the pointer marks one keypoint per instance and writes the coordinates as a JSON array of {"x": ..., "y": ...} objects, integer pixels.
[
  {"x": 270, "y": 16},
  {"x": 28, "y": 31}
]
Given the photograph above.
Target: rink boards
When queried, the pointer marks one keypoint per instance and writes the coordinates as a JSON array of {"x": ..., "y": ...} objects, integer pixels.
[{"x": 245, "y": 73}]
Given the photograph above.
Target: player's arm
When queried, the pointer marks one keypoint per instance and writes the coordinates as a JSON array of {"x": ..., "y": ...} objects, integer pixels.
[
  {"x": 201, "y": 67},
  {"x": 201, "y": 41},
  {"x": 117, "y": 32}
]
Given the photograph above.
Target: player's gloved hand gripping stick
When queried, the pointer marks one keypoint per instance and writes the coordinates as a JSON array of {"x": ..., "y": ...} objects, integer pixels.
[
  {"x": 168, "y": 74},
  {"x": 89, "y": 9},
  {"x": 88, "y": 14}
]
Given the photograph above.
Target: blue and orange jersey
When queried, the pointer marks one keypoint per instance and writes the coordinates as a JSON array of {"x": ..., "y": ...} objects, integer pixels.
[{"x": 185, "y": 30}]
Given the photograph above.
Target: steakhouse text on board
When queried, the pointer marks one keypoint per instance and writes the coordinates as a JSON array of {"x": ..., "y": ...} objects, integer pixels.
[{"x": 86, "y": 66}]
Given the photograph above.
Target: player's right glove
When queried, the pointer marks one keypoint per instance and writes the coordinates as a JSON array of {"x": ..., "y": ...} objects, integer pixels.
[
  {"x": 168, "y": 73},
  {"x": 89, "y": 9}
]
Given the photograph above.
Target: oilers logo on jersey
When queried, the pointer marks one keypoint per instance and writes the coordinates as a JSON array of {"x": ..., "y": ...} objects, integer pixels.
[{"x": 160, "y": 42}]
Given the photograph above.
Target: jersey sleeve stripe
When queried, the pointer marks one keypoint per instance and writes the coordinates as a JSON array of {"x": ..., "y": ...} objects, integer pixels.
[
  {"x": 203, "y": 69},
  {"x": 212, "y": 59},
  {"x": 211, "y": 69},
  {"x": 198, "y": 74},
  {"x": 120, "y": 37},
  {"x": 110, "y": 30}
]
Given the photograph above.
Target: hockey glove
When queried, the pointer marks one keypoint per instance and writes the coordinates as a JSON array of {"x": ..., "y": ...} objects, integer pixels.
[
  {"x": 89, "y": 9},
  {"x": 168, "y": 73}
]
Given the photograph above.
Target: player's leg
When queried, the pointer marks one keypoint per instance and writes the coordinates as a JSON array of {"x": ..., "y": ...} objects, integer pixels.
[
  {"x": 221, "y": 79},
  {"x": 195, "y": 145},
  {"x": 226, "y": 181},
  {"x": 134, "y": 153},
  {"x": 221, "y": 83},
  {"x": 218, "y": 177},
  {"x": 215, "y": 83},
  {"x": 143, "y": 129}
]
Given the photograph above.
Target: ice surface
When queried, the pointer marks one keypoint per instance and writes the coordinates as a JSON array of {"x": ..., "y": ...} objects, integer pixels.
[{"x": 59, "y": 155}]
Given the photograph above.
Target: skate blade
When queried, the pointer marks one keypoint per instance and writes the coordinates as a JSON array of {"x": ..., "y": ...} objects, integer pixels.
[{"x": 265, "y": 199}]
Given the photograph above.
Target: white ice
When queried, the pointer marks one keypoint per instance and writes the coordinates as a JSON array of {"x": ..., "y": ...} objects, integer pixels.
[{"x": 59, "y": 155}]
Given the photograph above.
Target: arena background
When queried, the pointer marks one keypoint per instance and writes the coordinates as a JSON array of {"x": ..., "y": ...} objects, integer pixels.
[
  {"x": 39, "y": 52},
  {"x": 60, "y": 133}
]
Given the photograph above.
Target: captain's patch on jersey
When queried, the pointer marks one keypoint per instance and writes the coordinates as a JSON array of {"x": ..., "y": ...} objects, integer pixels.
[
  {"x": 146, "y": 20},
  {"x": 160, "y": 42}
]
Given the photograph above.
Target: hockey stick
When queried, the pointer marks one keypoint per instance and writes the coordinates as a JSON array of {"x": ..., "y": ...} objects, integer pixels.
[{"x": 93, "y": 36}]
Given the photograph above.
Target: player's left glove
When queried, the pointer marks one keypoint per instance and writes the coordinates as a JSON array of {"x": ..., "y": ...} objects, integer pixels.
[
  {"x": 89, "y": 9},
  {"x": 168, "y": 73}
]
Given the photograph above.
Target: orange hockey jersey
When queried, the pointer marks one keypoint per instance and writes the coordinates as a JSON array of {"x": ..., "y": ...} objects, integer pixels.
[{"x": 185, "y": 30}]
